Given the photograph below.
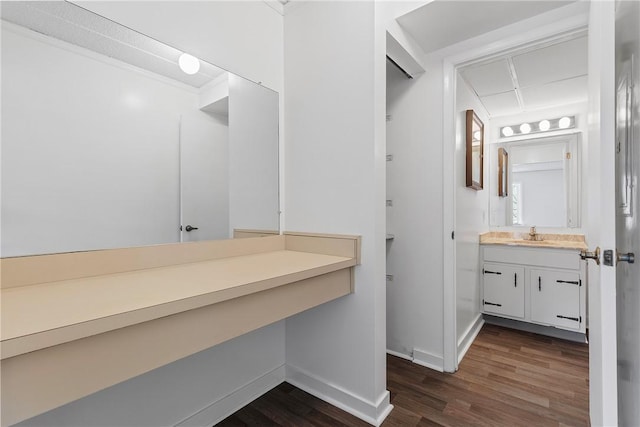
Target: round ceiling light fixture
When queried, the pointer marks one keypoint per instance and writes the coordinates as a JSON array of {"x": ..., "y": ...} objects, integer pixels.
[
  {"x": 507, "y": 131},
  {"x": 525, "y": 128},
  {"x": 189, "y": 63},
  {"x": 564, "y": 122}
]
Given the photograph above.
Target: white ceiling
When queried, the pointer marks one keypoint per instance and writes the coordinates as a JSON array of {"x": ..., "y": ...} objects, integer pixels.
[
  {"x": 442, "y": 23},
  {"x": 68, "y": 22},
  {"x": 539, "y": 77}
]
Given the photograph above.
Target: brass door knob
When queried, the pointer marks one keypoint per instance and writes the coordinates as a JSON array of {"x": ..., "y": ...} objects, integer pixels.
[{"x": 595, "y": 255}]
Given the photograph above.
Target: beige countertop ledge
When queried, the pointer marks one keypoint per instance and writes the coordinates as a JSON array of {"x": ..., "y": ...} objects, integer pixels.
[
  {"x": 39, "y": 315},
  {"x": 555, "y": 241},
  {"x": 89, "y": 320}
]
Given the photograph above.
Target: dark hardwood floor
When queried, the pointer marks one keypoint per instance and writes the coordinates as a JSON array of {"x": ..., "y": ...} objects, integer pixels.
[{"x": 507, "y": 378}]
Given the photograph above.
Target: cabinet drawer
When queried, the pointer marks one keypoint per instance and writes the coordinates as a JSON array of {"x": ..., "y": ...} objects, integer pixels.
[
  {"x": 555, "y": 298},
  {"x": 503, "y": 289},
  {"x": 533, "y": 256}
]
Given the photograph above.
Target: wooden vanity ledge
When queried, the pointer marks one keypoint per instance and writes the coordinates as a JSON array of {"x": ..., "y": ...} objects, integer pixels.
[
  {"x": 42, "y": 315},
  {"x": 89, "y": 320}
]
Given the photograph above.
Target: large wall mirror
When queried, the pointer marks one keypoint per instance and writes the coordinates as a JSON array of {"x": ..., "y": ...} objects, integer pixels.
[
  {"x": 108, "y": 143},
  {"x": 542, "y": 182}
]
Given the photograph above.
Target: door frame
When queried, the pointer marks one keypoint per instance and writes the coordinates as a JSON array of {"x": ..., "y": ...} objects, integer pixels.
[
  {"x": 603, "y": 391},
  {"x": 462, "y": 54}
]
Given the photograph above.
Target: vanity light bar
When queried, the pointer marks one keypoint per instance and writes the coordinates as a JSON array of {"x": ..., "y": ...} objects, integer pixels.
[{"x": 546, "y": 125}]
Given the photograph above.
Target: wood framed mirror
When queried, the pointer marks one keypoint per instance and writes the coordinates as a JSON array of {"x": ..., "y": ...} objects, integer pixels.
[
  {"x": 475, "y": 150},
  {"x": 503, "y": 172}
]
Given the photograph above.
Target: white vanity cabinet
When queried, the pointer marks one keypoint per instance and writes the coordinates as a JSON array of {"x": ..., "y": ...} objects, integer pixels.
[
  {"x": 546, "y": 286},
  {"x": 503, "y": 289},
  {"x": 555, "y": 298}
]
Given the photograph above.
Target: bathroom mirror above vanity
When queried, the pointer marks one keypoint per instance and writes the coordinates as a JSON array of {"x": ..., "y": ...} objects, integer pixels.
[
  {"x": 537, "y": 183},
  {"x": 112, "y": 139}
]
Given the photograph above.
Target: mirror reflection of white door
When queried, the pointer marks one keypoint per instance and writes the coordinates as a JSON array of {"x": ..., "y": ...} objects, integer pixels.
[{"x": 204, "y": 177}]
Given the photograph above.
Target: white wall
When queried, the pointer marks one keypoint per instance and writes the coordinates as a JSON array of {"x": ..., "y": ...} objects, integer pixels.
[
  {"x": 335, "y": 184},
  {"x": 471, "y": 216},
  {"x": 231, "y": 374},
  {"x": 90, "y": 149},
  {"x": 414, "y": 257},
  {"x": 415, "y": 181}
]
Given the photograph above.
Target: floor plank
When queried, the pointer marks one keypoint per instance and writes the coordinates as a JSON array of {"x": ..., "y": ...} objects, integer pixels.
[{"x": 507, "y": 378}]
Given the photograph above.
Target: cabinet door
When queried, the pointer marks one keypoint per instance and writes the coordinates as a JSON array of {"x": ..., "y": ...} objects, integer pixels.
[
  {"x": 503, "y": 287},
  {"x": 555, "y": 298}
]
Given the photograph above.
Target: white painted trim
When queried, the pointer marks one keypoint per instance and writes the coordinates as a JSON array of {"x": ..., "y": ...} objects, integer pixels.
[
  {"x": 400, "y": 355},
  {"x": 602, "y": 212},
  {"x": 222, "y": 408},
  {"x": 449, "y": 358},
  {"x": 428, "y": 360},
  {"x": 372, "y": 412},
  {"x": 402, "y": 57},
  {"x": 469, "y": 336}
]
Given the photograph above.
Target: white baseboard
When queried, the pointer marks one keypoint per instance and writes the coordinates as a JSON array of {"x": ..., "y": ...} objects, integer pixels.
[
  {"x": 221, "y": 409},
  {"x": 400, "y": 355},
  {"x": 373, "y": 413},
  {"x": 429, "y": 360},
  {"x": 469, "y": 336}
]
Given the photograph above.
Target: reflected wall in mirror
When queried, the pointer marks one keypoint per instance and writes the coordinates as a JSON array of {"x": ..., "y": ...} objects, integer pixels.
[
  {"x": 106, "y": 143},
  {"x": 475, "y": 150},
  {"x": 542, "y": 182},
  {"x": 503, "y": 176}
]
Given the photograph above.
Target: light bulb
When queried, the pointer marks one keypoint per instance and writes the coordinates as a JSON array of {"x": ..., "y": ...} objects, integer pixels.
[
  {"x": 544, "y": 125},
  {"x": 476, "y": 135},
  {"x": 507, "y": 131},
  {"x": 189, "y": 63},
  {"x": 525, "y": 128},
  {"x": 564, "y": 122}
]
